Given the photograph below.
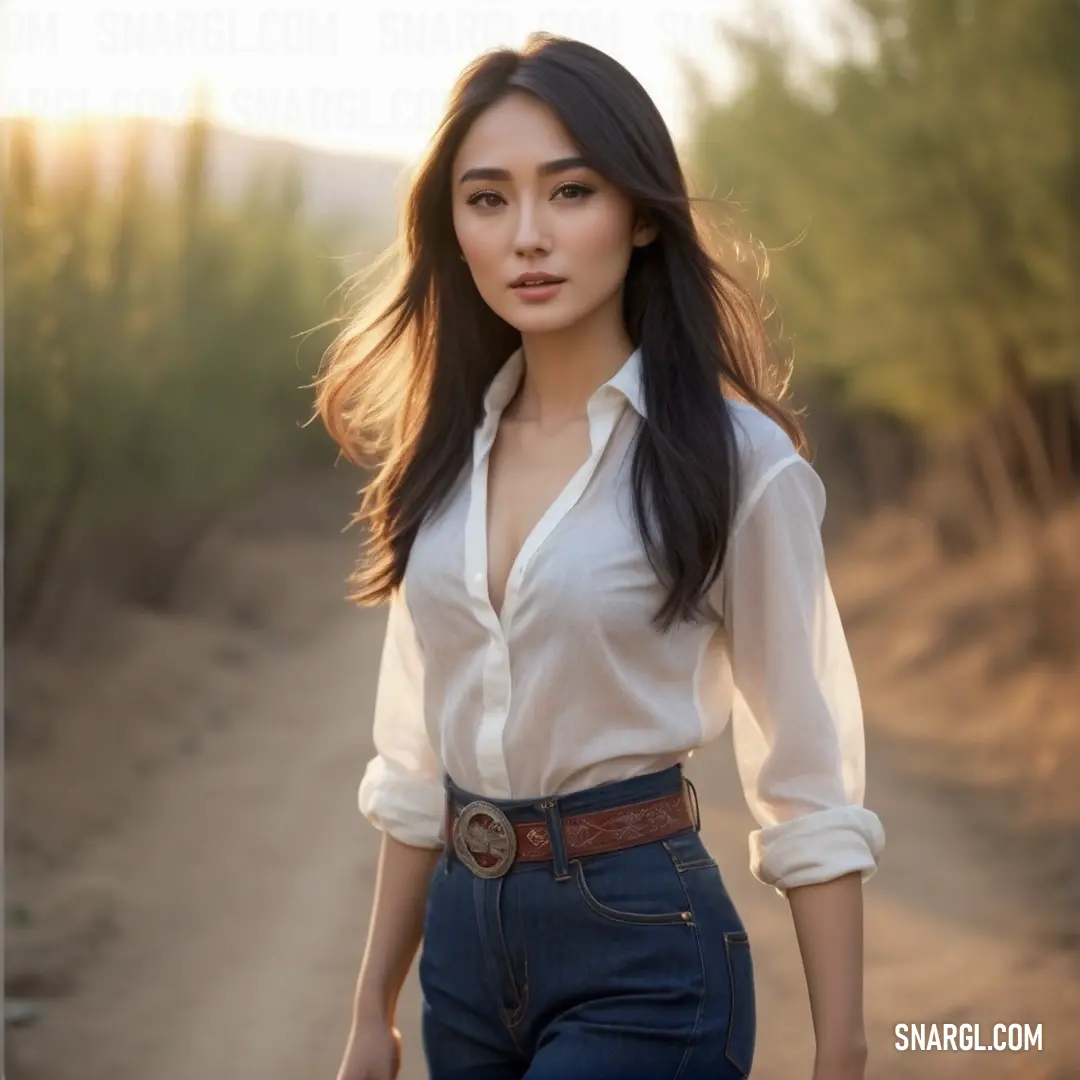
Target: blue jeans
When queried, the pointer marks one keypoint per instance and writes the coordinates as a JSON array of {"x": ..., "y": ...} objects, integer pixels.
[{"x": 630, "y": 965}]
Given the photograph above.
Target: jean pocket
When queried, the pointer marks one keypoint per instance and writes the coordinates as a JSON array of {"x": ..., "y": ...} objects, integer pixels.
[
  {"x": 609, "y": 890},
  {"x": 742, "y": 1017},
  {"x": 688, "y": 851}
]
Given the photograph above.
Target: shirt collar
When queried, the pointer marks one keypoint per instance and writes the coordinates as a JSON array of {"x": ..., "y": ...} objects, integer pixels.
[{"x": 627, "y": 381}]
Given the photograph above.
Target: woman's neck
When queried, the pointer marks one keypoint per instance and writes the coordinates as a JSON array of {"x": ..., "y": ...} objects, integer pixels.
[{"x": 563, "y": 370}]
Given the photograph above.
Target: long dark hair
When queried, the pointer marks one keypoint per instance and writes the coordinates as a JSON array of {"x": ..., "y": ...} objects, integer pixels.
[{"x": 403, "y": 385}]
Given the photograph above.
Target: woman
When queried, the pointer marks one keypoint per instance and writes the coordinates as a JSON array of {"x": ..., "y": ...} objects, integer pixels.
[{"x": 599, "y": 541}]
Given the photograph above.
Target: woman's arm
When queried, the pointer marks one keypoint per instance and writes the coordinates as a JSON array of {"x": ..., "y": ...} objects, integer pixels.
[
  {"x": 828, "y": 921},
  {"x": 402, "y": 794},
  {"x": 394, "y": 931},
  {"x": 798, "y": 735}
]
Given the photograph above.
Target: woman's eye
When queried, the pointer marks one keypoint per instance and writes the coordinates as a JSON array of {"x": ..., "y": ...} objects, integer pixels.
[
  {"x": 573, "y": 191},
  {"x": 489, "y": 200},
  {"x": 478, "y": 199}
]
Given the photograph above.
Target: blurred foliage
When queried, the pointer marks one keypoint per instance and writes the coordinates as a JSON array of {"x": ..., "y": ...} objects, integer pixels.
[
  {"x": 919, "y": 204},
  {"x": 154, "y": 360}
]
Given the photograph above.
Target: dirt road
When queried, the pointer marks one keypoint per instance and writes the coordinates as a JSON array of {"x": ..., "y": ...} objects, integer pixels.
[{"x": 240, "y": 891}]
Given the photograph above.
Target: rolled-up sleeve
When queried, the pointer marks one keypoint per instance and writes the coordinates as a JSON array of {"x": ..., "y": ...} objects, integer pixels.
[
  {"x": 402, "y": 790},
  {"x": 797, "y": 721}
]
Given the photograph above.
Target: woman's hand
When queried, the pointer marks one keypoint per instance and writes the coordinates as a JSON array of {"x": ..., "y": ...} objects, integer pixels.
[{"x": 373, "y": 1052}]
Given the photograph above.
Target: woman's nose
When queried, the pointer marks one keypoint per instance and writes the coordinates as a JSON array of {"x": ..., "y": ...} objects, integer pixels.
[{"x": 531, "y": 234}]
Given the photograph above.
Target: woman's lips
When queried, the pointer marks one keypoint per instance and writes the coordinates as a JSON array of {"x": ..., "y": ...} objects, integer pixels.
[{"x": 536, "y": 293}]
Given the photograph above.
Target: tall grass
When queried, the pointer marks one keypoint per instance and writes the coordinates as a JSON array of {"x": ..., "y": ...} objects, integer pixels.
[{"x": 155, "y": 361}]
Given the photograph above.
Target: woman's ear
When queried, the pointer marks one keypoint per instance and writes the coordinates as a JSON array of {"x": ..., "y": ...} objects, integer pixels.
[{"x": 645, "y": 231}]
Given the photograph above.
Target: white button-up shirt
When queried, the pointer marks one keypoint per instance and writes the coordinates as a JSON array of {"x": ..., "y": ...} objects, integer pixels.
[{"x": 570, "y": 685}]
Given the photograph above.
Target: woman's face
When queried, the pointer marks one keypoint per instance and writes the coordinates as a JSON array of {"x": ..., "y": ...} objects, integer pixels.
[{"x": 524, "y": 204}]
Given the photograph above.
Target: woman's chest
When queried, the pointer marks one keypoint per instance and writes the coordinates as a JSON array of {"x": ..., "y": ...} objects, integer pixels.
[
  {"x": 526, "y": 476},
  {"x": 562, "y": 545}
]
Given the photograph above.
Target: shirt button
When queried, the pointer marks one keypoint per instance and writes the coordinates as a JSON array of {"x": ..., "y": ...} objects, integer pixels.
[{"x": 479, "y": 579}]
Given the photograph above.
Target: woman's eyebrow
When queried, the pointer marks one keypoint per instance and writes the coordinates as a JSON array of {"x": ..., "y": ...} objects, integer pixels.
[{"x": 546, "y": 169}]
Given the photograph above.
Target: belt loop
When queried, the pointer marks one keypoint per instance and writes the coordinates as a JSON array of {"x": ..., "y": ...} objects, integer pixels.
[
  {"x": 558, "y": 841},
  {"x": 449, "y": 827},
  {"x": 694, "y": 802}
]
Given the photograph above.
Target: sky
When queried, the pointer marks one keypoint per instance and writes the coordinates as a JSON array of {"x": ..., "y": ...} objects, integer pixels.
[{"x": 344, "y": 74}]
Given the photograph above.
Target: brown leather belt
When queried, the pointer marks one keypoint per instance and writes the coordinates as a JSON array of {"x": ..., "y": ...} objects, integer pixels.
[{"x": 489, "y": 844}]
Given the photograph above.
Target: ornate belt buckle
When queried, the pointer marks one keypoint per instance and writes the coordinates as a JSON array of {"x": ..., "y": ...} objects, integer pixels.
[{"x": 484, "y": 840}]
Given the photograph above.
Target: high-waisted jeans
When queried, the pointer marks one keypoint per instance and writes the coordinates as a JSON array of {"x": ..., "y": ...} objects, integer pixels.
[{"x": 630, "y": 965}]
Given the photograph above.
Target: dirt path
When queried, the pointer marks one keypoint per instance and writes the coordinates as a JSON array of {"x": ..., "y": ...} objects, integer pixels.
[{"x": 240, "y": 892}]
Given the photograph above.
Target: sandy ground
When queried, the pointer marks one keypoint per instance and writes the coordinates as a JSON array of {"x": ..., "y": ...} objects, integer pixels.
[{"x": 189, "y": 880}]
